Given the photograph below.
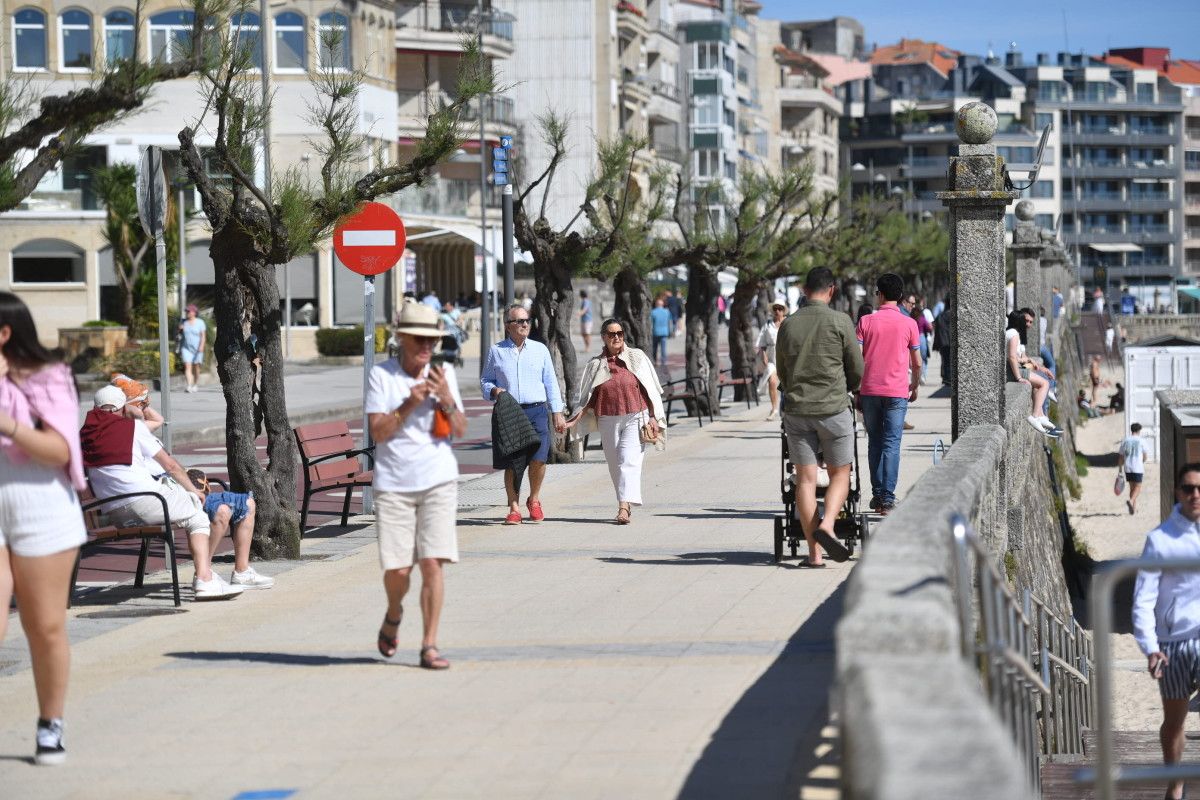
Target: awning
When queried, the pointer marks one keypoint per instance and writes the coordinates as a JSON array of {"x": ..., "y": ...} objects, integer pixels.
[
  {"x": 1191, "y": 291},
  {"x": 1116, "y": 248}
]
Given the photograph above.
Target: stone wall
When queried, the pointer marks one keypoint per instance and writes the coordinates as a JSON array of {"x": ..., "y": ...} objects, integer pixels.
[
  {"x": 1146, "y": 326},
  {"x": 915, "y": 723}
]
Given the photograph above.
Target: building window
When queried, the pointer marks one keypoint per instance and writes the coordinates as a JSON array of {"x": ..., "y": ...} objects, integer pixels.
[
  {"x": 47, "y": 261},
  {"x": 706, "y": 109},
  {"x": 170, "y": 34},
  {"x": 291, "y": 43},
  {"x": 708, "y": 55},
  {"x": 246, "y": 34},
  {"x": 75, "y": 41},
  {"x": 118, "y": 36},
  {"x": 1043, "y": 220},
  {"x": 29, "y": 39},
  {"x": 1042, "y": 189},
  {"x": 333, "y": 41},
  {"x": 1041, "y": 120}
]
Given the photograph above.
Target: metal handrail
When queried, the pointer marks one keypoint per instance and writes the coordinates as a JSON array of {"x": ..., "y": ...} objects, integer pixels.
[{"x": 1106, "y": 773}]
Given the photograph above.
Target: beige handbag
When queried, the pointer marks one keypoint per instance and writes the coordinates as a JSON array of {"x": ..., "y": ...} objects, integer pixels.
[{"x": 656, "y": 437}]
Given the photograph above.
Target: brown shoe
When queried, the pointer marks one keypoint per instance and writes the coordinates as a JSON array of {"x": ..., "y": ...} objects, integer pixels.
[{"x": 908, "y": 426}]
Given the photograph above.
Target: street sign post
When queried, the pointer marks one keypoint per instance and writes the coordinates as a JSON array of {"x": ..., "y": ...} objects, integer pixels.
[
  {"x": 369, "y": 243},
  {"x": 152, "y": 210},
  {"x": 500, "y": 163}
]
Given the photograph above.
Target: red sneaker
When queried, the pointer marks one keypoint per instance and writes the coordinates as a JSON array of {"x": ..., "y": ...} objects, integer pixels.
[
  {"x": 535, "y": 511},
  {"x": 513, "y": 518}
]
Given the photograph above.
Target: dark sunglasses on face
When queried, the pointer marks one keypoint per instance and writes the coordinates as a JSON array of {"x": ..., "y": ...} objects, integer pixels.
[
  {"x": 615, "y": 334},
  {"x": 519, "y": 321},
  {"x": 1189, "y": 488}
]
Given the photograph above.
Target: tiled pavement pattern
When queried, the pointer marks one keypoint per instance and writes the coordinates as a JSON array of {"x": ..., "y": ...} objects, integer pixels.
[{"x": 666, "y": 658}]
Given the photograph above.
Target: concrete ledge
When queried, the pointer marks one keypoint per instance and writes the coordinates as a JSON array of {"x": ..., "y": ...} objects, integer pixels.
[{"x": 215, "y": 434}]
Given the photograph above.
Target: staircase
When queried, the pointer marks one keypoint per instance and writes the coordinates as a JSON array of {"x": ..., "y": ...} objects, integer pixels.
[{"x": 1131, "y": 747}]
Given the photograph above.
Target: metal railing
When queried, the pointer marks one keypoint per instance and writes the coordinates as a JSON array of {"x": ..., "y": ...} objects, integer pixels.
[
  {"x": 1107, "y": 773},
  {"x": 1035, "y": 666}
]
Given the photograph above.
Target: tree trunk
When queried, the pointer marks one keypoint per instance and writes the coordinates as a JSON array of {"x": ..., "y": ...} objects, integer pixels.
[
  {"x": 248, "y": 305},
  {"x": 741, "y": 331},
  {"x": 703, "y": 360},
  {"x": 553, "y": 311},
  {"x": 766, "y": 296},
  {"x": 632, "y": 307}
]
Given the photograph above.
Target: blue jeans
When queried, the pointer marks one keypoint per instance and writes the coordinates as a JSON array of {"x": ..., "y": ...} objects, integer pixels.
[
  {"x": 659, "y": 348},
  {"x": 884, "y": 420}
]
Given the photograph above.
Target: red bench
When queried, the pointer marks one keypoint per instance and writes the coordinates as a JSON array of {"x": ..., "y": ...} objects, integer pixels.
[{"x": 330, "y": 460}]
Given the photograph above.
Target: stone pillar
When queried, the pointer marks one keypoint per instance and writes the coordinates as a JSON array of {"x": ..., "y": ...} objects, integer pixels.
[
  {"x": 976, "y": 199},
  {"x": 1054, "y": 273},
  {"x": 1027, "y": 289}
]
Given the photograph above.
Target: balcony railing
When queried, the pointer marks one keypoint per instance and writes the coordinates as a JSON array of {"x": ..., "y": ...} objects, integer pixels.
[
  {"x": 423, "y": 103},
  {"x": 62, "y": 200},
  {"x": 496, "y": 109},
  {"x": 1191, "y": 233},
  {"x": 453, "y": 17},
  {"x": 1192, "y": 266},
  {"x": 443, "y": 197},
  {"x": 1150, "y": 130},
  {"x": 666, "y": 28},
  {"x": 668, "y": 90}
]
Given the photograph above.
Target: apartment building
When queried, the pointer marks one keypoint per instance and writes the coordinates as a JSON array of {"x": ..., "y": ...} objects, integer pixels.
[
  {"x": 1121, "y": 159},
  {"x": 52, "y": 252}
]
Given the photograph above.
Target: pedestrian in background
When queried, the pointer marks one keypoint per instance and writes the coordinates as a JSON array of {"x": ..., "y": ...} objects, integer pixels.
[
  {"x": 194, "y": 335},
  {"x": 891, "y": 350},
  {"x": 819, "y": 364},
  {"x": 414, "y": 410},
  {"x": 660, "y": 331},
  {"x": 941, "y": 342},
  {"x": 925, "y": 329},
  {"x": 1166, "y": 615},
  {"x": 675, "y": 306},
  {"x": 585, "y": 319},
  {"x": 519, "y": 365},
  {"x": 41, "y": 524},
  {"x": 1130, "y": 458},
  {"x": 619, "y": 395},
  {"x": 768, "y": 338}
]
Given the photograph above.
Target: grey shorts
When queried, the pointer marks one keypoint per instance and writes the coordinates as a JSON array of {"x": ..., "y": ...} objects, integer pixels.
[{"x": 833, "y": 436}]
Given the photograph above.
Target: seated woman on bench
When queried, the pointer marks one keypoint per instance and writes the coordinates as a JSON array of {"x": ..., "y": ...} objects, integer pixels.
[{"x": 1023, "y": 369}]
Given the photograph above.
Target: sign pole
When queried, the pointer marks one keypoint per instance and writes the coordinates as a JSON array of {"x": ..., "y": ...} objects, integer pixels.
[
  {"x": 368, "y": 363},
  {"x": 507, "y": 220},
  {"x": 152, "y": 209}
]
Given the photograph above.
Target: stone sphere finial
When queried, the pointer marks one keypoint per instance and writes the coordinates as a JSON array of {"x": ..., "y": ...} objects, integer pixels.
[
  {"x": 1024, "y": 211},
  {"x": 975, "y": 123}
]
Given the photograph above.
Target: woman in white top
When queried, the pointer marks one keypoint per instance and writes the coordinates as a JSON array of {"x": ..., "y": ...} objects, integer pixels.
[
  {"x": 766, "y": 352},
  {"x": 414, "y": 410},
  {"x": 1022, "y": 369},
  {"x": 41, "y": 525}
]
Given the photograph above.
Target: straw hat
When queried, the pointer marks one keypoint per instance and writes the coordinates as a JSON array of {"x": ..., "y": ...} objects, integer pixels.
[{"x": 418, "y": 319}]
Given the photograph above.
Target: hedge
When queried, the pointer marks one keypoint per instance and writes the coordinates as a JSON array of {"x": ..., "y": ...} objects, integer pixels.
[
  {"x": 348, "y": 341},
  {"x": 140, "y": 364}
]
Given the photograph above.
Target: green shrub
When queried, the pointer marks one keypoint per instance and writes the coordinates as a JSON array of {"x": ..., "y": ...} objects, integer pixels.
[
  {"x": 102, "y": 323},
  {"x": 348, "y": 341},
  {"x": 1081, "y": 465},
  {"x": 140, "y": 364}
]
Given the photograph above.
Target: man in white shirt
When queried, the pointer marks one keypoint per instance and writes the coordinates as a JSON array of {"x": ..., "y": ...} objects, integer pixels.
[
  {"x": 132, "y": 466},
  {"x": 1166, "y": 615},
  {"x": 1130, "y": 459},
  {"x": 766, "y": 353}
]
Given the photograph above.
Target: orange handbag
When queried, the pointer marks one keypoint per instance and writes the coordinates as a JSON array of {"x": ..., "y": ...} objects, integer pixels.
[{"x": 441, "y": 423}]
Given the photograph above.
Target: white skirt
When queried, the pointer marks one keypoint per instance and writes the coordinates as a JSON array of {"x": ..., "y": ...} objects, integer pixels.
[{"x": 39, "y": 510}]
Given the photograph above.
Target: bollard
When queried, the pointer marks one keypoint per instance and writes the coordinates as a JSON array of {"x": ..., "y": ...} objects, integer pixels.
[
  {"x": 1027, "y": 290},
  {"x": 977, "y": 198}
]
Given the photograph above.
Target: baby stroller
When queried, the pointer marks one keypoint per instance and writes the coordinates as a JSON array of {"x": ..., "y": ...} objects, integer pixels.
[
  {"x": 852, "y": 525},
  {"x": 452, "y": 340}
]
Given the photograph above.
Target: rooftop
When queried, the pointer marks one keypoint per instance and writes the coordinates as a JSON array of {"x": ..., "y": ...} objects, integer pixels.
[{"x": 917, "y": 51}]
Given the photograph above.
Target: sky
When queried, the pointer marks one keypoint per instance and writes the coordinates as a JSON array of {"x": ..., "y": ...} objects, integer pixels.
[{"x": 1037, "y": 27}]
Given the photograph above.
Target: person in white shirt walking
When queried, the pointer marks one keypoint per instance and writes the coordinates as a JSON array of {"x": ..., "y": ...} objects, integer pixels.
[
  {"x": 766, "y": 354},
  {"x": 1166, "y": 615},
  {"x": 1130, "y": 459},
  {"x": 414, "y": 410}
]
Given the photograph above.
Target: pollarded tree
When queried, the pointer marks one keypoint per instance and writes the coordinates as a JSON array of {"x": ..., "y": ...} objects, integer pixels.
[
  {"x": 254, "y": 234},
  {"x": 49, "y": 128}
]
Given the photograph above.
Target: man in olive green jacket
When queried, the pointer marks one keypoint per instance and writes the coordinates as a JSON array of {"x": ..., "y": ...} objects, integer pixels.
[{"x": 819, "y": 363}]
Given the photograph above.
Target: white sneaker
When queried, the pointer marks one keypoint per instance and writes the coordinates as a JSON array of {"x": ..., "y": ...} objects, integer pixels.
[
  {"x": 251, "y": 579},
  {"x": 773, "y": 415},
  {"x": 1053, "y": 397},
  {"x": 215, "y": 589},
  {"x": 1036, "y": 423},
  {"x": 1049, "y": 426}
]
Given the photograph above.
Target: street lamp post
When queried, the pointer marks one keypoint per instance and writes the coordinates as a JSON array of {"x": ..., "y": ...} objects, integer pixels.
[{"x": 485, "y": 321}]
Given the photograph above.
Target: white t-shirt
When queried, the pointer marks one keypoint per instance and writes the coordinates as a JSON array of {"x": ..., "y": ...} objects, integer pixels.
[
  {"x": 767, "y": 338},
  {"x": 137, "y": 476},
  {"x": 1133, "y": 451},
  {"x": 1009, "y": 335},
  {"x": 412, "y": 460}
]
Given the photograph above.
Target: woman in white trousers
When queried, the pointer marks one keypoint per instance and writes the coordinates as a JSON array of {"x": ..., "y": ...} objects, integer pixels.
[{"x": 619, "y": 395}]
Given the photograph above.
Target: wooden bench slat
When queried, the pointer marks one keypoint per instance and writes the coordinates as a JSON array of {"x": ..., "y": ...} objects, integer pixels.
[
  {"x": 326, "y": 447},
  {"x": 361, "y": 479}
]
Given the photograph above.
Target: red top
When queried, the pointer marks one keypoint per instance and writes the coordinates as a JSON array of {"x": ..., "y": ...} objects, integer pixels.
[{"x": 621, "y": 394}]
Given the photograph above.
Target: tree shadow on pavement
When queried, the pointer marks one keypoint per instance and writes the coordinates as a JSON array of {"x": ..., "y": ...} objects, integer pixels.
[
  {"x": 771, "y": 744},
  {"x": 330, "y": 531},
  {"x": 282, "y": 659},
  {"x": 736, "y": 557},
  {"x": 723, "y": 513},
  {"x": 1102, "y": 460}
]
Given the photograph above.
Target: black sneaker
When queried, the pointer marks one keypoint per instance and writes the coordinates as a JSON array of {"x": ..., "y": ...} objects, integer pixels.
[
  {"x": 50, "y": 750},
  {"x": 876, "y": 504}
]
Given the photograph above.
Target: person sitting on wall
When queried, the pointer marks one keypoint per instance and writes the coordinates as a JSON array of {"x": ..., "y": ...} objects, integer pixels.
[{"x": 1022, "y": 369}]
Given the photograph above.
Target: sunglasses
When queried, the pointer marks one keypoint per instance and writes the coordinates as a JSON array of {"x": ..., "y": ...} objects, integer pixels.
[
  {"x": 615, "y": 334},
  {"x": 518, "y": 321},
  {"x": 1189, "y": 488}
]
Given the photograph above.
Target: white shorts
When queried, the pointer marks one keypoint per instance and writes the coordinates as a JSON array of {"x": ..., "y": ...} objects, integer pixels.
[
  {"x": 39, "y": 511},
  {"x": 183, "y": 506},
  {"x": 416, "y": 525}
]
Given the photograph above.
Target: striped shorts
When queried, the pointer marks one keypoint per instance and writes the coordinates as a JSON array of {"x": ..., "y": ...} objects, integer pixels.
[{"x": 1181, "y": 676}]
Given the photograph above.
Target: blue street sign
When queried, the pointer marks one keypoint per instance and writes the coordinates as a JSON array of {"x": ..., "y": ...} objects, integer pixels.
[
  {"x": 499, "y": 179},
  {"x": 499, "y": 154},
  {"x": 506, "y": 141},
  {"x": 500, "y": 166}
]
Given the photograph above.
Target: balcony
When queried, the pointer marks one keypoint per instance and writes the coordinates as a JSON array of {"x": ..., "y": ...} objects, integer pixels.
[
  {"x": 444, "y": 197},
  {"x": 420, "y": 30},
  {"x": 635, "y": 85},
  {"x": 1115, "y": 168},
  {"x": 802, "y": 91},
  {"x": 1191, "y": 237},
  {"x": 631, "y": 20},
  {"x": 1192, "y": 202},
  {"x": 1192, "y": 164},
  {"x": 925, "y": 167},
  {"x": 416, "y": 106}
]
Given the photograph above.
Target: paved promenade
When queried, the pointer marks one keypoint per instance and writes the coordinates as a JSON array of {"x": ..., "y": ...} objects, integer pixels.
[{"x": 666, "y": 658}]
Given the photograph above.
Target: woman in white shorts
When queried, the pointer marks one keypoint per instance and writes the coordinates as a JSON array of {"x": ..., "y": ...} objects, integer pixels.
[{"x": 41, "y": 525}]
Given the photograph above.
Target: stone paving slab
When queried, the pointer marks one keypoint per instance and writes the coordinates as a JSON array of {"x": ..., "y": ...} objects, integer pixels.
[{"x": 666, "y": 658}]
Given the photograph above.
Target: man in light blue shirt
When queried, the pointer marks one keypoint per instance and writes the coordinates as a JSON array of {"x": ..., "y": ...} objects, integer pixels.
[
  {"x": 1166, "y": 614},
  {"x": 660, "y": 330},
  {"x": 523, "y": 368}
]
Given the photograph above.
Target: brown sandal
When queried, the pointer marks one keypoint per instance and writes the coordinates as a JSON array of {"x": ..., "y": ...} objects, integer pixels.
[
  {"x": 437, "y": 662},
  {"x": 387, "y": 645},
  {"x": 624, "y": 520}
]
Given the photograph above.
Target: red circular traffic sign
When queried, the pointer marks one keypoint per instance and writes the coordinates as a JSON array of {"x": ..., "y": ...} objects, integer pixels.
[{"x": 371, "y": 241}]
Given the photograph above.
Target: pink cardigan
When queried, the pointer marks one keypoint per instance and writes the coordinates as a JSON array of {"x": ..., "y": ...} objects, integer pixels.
[{"x": 47, "y": 395}]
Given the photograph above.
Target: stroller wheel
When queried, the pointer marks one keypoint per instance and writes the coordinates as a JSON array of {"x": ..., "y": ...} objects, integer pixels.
[
  {"x": 778, "y": 539},
  {"x": 864, "y": 528}
]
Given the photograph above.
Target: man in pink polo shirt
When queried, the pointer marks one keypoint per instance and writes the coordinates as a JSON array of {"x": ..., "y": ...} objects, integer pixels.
[{"x": 892, "y": 356}]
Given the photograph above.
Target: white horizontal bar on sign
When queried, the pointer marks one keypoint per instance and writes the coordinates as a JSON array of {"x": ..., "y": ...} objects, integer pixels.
[{"x": 368, "y": 238}]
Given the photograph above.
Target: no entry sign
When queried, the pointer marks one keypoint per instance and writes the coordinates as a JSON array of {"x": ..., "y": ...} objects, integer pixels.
[{"x": 371, "y": 241}]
